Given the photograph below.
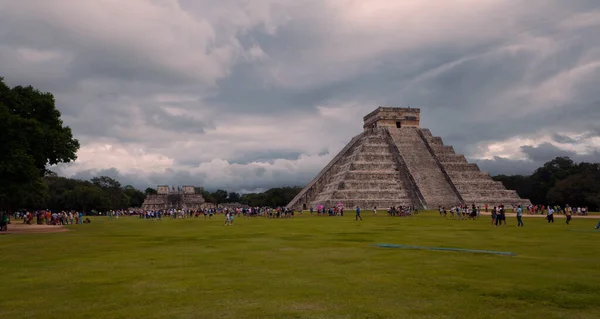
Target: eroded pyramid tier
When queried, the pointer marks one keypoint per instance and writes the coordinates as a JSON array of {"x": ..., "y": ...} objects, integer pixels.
[
  {"x": 365, "y": 175},
  {"x": 474, "y": 186},
  {"x": 428, "y": 176}
]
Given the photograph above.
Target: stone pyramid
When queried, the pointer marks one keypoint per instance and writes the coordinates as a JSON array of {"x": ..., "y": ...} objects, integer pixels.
[{"x": 394, "y": 162}]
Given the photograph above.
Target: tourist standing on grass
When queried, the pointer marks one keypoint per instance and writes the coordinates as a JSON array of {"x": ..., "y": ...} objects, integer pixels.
[
  {"x": 597, "y": 226},
  {"x": 494, "y": 216},
  {"x": 519, "y": 216},
  {"x": 358, "y": 213},
  {"x": 4, "y": 221},
  {"x": 550, "y": 216},
  {"x": 568, "y": 215},
  {"x": 226, "y": 219},
  {"x": 502, "y": 215}
]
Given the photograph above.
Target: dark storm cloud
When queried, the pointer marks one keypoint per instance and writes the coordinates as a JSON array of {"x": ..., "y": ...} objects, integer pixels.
[
  {"x": 157, "y": 117},
  {"x": 545, "y": 151},
  {"x": 559, "y": 138},
  {"x": 537, "y": 156},
  {"x": 502, "y": 165}
]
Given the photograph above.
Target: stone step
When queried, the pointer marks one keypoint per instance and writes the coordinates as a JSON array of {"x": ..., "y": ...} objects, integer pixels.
[
  {"x": 372, "y": 166},
  {"x": 451, "y": 158},
  {"x": 458, "y": 176},
  {"x": 482, "y": 193},
  {"x": 380, "y": 142},
  {"x": 442, "y": 149},
  {"x": 376, "y": 184},
  {"x": 366, "y": 157},
  {"x": 376, "y": 149},
  {"x": 462, "y": 167},
  {"x": 361, "y": 180},
  {"x": 365, "y": 204},
  {"x": 365, "y": 194},
  {"x": 434, "y": 140},
  {"x": 491, "y": 199},
  {"x": 470, "y": 188},
  {"x": 488, "y": 182},
  {"x": 424, "y": 168},
  {"x": 426, "y": 132}
]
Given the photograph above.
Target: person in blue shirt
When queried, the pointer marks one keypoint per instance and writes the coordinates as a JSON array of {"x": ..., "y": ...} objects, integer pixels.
[
  {"x": 519, "y": 216},
  {"x": 358, "y": 213}
]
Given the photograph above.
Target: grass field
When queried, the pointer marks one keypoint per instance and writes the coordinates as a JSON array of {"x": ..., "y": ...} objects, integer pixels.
[{"x": 305, "y": 267}]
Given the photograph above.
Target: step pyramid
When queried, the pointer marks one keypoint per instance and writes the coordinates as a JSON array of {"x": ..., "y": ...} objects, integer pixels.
[{"x": 394, "y": 162}]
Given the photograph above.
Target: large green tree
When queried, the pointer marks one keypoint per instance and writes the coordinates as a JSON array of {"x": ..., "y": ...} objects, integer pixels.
[
  {"x": 32, "y": 137},
  {"x": 559, "y": 182}
]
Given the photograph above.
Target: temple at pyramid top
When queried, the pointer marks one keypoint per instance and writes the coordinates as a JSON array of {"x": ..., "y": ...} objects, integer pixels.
[
  {"x": 392, "y": 117},
  {"x": 395, "y": 162}
]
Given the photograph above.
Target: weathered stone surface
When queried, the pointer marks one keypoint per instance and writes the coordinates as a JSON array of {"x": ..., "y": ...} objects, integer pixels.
[
  {"x": 395, "y": 162},
  {"x": 175, "y": 198}
]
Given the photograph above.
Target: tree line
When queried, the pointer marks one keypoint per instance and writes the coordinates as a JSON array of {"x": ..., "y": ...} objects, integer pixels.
[
  {"x": 104, "y": 193},
  {"x": 559, "y": 182}
]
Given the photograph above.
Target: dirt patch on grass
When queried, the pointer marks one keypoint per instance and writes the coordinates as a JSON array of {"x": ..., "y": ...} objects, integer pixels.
[{"x": 33, "y": 229}]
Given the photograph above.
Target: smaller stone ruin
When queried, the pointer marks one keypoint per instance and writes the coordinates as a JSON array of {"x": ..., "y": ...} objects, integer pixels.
[{"x": 175, "y": 198}]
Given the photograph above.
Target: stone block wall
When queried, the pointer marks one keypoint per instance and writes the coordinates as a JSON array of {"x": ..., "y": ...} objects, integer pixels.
[
  {"x": 473, "y": 186},
  {"x": 310, "y": 192},
  {"x": 427, "y": 174},
  {"x": 366, "y": 176}
]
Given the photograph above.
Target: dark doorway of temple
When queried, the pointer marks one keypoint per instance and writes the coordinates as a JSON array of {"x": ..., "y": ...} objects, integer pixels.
[
  {"x": 303, "y": 206},
  {"x": 398, "y": 124}
]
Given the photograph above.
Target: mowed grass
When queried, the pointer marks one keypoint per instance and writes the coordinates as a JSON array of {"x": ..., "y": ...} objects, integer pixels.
[{"x": 305, "y": 267}]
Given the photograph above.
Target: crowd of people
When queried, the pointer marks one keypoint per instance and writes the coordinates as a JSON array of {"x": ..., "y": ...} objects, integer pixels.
[
  {"x": 208, "y": 213},
  {"x": 498, "y": 213},
  {"x": 47, "y": 217}
]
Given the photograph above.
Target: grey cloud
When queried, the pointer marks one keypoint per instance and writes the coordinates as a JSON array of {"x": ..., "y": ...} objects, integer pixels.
[
  {"x": 472, "y": 90},
  {"x": 157, "y": 117},
  {"x": 502, "y": 165},
  {"x": 253, "y": 181},
  {"x": 560, "y": 138},
  {"x": 264, "y": 156},
  {"x": 537, "y": 156},
  {"x": 545, "y": 151}
]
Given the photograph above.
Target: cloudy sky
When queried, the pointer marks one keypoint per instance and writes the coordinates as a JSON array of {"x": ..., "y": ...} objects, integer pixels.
[{"x": 252, "y": 94}]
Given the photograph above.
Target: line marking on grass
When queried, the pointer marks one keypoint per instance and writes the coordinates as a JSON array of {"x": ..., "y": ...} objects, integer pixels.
[
  {"x": 585, "y": 230},
  {"x": 505, "y": 253}
]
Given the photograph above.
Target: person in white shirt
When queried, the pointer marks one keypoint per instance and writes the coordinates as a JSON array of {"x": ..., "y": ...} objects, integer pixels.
[{"x": 550, "y": 216}]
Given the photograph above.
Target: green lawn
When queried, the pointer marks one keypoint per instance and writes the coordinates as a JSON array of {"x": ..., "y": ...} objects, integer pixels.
[{"x": 306, "y": 267}]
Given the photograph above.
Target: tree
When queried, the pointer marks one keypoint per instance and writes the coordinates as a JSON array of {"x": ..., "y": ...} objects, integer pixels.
[
  {"x": 116, "y": 196},
  {"x": 233, "y": 197},
  {"x": 220, "y": 196},
  {"x": 32, "y": 138},
  {"x": 559, "y": 182},
  {"x": 150, "y": 191},
  {"x": 273, "y": 197},
  {"x": 135, "y": 198},
  {"x": 208, "y": 197}
]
